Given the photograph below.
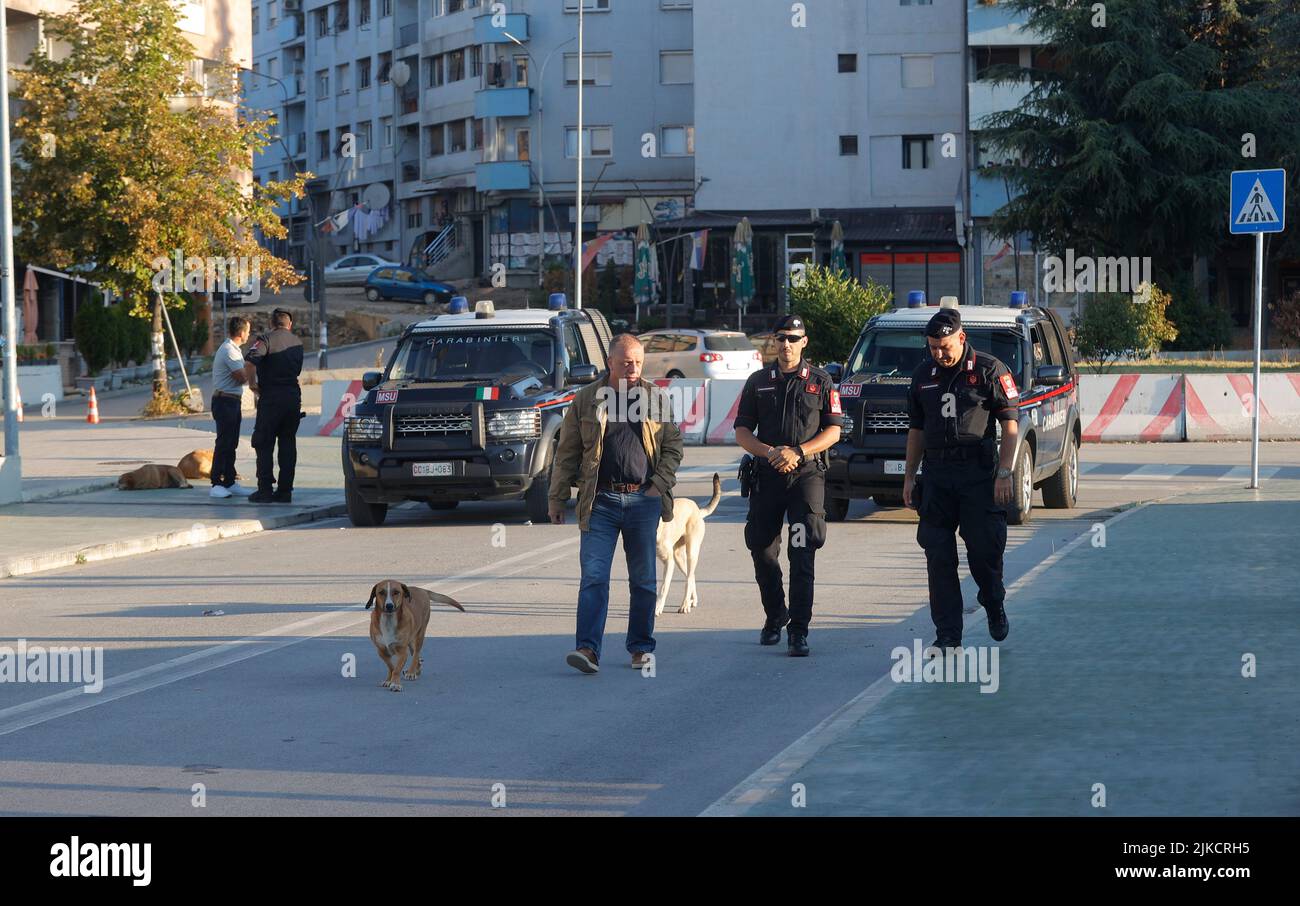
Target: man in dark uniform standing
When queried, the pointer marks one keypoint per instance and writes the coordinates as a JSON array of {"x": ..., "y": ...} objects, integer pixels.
[
  {"x": 274, "y": 363},
  {"x": 788, "y": 414},
  {"x": 956, "y": 395}
]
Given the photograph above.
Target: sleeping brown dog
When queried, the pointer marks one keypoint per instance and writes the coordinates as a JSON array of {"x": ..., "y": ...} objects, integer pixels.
[
  {"x": 196, "y": 464},
  {"x": 151, "y": 477},
  {"x": 398, "y": 625}
]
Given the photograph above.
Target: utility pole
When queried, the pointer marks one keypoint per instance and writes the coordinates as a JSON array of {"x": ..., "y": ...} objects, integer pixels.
[
  {"x": 11, "y": 486},
  {"x": 577, "y": 245}
]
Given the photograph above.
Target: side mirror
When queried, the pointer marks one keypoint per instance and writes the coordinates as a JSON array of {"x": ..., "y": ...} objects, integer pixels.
[
  {"x": 1050, "y": 375},
  {"x": 836, "y": 371},
  {"x": 371, "y": 379},
  {"x": 583, "y": 374}
]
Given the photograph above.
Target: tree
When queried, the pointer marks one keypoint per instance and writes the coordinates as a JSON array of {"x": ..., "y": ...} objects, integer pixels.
[
  {"x": 115, "y": 175},
  {"x": 1115, "y": 325},
  {"x": 835, "y": 307},
  {"x": 1286, "y": 320},
  {"x": 1124, "y": 142}
]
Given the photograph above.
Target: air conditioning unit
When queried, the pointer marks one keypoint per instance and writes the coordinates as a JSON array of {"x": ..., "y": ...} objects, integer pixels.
[{"x": 292, "y": 6}]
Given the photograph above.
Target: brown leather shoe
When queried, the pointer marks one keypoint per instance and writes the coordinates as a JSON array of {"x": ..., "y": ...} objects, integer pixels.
[
  {"x": 641, "y": 659},
  {"x": 583, "y": 659}
]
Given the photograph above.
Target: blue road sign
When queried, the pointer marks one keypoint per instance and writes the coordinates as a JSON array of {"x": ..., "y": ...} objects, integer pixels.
[{"x": 1258, "y": 201}]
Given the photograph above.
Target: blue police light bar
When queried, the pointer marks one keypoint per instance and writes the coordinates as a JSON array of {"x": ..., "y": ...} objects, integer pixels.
[
  {"x": 458, "y": 305},
  {"x": 557, "y": 302},
  {"x": 1019, "y": 299},
  {"x": 916, "y": 299}
]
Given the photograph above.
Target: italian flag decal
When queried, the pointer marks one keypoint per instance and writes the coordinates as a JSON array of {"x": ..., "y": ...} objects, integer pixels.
[{"x": 487, "y": 393}]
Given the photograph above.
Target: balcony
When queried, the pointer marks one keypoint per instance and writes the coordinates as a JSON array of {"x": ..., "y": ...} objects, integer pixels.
[
  {"x": 987, "y": 194},
  {"x": 408, "y": 35},
  {"x": 410, "y": 99},
  {"x": 502, "y": 176},
  {"x": 410, "y": 171},
  {"x": 988, "y": 97},
  {"x": 502, "y": 102},
  {"x": 486, "y": 33}
]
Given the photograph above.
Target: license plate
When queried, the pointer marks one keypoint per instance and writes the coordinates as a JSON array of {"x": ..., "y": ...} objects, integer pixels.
[
  {"x": 895, "y": 467},
  {"x": 432, "y": 469}
]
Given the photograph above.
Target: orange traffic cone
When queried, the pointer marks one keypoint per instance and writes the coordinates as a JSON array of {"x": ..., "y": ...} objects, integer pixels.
[
  {"x": 92, "y": 413},
  {"x": 19, "y": 398}
]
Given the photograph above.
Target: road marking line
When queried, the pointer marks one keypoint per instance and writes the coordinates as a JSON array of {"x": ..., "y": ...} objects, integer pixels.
[
  {"x": 72, "y": 701},
  {"x": 764, "y": 782}
]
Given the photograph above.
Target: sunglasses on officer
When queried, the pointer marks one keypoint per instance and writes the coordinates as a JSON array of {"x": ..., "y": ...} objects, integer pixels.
[{"x": 788, "y": 337}]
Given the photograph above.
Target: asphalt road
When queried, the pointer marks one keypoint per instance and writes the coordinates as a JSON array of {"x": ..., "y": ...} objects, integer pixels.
[{"x": 253, "y": 702}]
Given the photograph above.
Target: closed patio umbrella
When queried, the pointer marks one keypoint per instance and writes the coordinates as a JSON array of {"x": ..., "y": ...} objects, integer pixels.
[
  {"x": 742, "y": 268},
  {"x": 30, "y": 315}
]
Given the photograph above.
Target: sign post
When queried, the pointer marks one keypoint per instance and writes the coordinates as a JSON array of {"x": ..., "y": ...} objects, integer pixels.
[{"x": 1257, "y": 205}]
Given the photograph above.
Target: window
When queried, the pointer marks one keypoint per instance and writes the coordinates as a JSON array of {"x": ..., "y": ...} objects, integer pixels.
[
  {"x": 597, "y": 69},
  {"x": 476, "y": 61},
  {"x": 455, "y": 136},
  {"x": 272, "y": 12},
  {"x": 918, "y": 71},
  {"x": 456, "y": 65},
  {"x": 677, "y": 141},
  {"x": 452, "y": 6},
  {"x": 341, "y": 16},
  {"x": 385, "y": 67},
  {"x": 591, "y": 6},
  {"x": 414, "y": 217},
  {"x": 363, "y": 12},
  {"x": 675, "y": 4},
  {"x": 323, "y": 145},
  {"x": 340, "y": 136},
  {"x": 365, "y": 136},
  {"x": 521, "y": 72},
  {"x": 848, "y": 145},
  {"x": 363, "y": 74},
  {"x": 574, "y": 346},
  {"x": 433, "y": 71},
  {"x": 386, "y": 131},
  {"x": 256, "y": 66},
  {"x": 322, "y": 83},
  {"x": 676, "y": 67},
  {"x": 523, "y": 139},
  {"x": 341, "y": 71},
  {"x": 597, "y": 141},
  {"x": 477, "y": 132},
  {"x": 257, "y": 15},
  {"x": 437, "y": 142},
  {"x": 322, "y": 22},
  {"x": 385, "y": 8},
  {"x": 916, "y": 151},
  {"x": 987, "y": 57},
  {"x": 848, "y": 62}
]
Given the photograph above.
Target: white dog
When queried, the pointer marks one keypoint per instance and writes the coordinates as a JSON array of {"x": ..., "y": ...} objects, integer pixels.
[{"x": 680, "y": 541}]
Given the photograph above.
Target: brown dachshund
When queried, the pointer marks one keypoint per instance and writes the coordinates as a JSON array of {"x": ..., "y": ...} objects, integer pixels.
[{"x": 398, "y": 624}]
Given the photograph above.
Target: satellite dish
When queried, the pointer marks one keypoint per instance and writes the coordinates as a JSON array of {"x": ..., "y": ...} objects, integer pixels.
[
  {"x": 399, "y": 74},
  {"x": 376, "y": 196}
]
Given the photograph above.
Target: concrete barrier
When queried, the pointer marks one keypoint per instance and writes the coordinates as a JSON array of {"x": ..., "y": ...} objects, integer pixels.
[
  {"x": 690, "y": 397},
  {"x": 724, "y": 399},
  {"x": 1128, "y": 407},
  {"x": 1221, "y": 406},
  {"x": 338, "y": 399}
]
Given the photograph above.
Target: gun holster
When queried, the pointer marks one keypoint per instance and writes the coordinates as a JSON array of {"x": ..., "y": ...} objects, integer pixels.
[{"x": 746, "y": 474}]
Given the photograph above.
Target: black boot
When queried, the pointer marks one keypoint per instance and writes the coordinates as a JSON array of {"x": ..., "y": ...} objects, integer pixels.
[
  {"x": 998, "y": 625},
  {"x": 771, "y": 633},
  {"x": 797, "y": 643}
]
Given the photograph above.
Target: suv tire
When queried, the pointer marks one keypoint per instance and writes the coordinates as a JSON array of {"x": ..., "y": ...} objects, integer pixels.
[
  {"x": 1021, "y": 508},
  {"x": 537, "y": 497},
  {"x": 362, "y": 514},
  {"x": 1061, "y": 491}
]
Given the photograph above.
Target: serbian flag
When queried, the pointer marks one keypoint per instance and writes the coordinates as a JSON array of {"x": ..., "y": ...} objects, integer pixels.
[
  {"x": 589, "y": 249},
  {"x": 699, "y": 246}
]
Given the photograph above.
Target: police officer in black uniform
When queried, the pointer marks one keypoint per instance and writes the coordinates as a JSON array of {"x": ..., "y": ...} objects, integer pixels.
[
  {"x": 276, "y": 358},
  {"x": 957, "y": 392},
  {"x": 788, "y": 414}
]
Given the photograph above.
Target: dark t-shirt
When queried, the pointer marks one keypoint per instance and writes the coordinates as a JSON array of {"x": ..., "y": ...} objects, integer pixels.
[{"x": 623, "y": 458}]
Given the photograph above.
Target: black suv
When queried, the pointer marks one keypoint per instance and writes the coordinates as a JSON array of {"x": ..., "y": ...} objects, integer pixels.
[
  {"x": 469, "y": 408},
  {"x": 869, "y": 459}
]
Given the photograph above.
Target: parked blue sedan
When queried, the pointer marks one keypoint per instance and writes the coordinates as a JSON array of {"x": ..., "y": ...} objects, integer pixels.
[{"x": 407, "y": 283}]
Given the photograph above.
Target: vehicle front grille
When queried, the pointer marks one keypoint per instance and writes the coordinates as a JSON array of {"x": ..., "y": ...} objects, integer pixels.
[
  {"x": 433, "y": 425},
  {"x": 885, "y": 421}
]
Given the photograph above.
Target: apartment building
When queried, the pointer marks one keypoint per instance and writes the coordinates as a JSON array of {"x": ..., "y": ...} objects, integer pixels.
[{"x": 446, "y": 130}]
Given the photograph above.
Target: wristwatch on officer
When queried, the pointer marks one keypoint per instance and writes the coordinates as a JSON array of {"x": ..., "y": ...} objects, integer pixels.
[
  {"x": 1004, "y": 473},
  {"x": 799, "y": 449}
]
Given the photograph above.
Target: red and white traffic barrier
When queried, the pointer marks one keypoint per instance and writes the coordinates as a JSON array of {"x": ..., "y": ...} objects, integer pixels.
[
  {"x": 1131, "y": 407},
  {"x": 1222, "y": 406},
  {"x": 690, "y": 402},
  {"x": 724, "y": 400},
  {"x": 338, "y": 400}
]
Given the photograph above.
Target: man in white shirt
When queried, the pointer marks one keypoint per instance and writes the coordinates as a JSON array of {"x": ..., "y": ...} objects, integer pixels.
[{"x": 228, "y": 380}]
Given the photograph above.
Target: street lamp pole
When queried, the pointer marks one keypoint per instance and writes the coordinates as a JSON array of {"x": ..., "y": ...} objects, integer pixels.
[
  {"x": 10, "y": 318},
  {"x": 577, "y": 245}
]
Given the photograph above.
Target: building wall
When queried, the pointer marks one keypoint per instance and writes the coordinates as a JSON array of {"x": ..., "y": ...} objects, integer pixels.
[{"x": 771, "y": 103}]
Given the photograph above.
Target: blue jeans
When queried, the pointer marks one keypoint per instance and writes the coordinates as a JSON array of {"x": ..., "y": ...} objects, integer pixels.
[{"x": 637, "y": 517}]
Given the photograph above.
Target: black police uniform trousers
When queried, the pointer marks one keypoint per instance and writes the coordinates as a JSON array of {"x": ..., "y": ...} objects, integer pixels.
[
  {"x": 277, "y": 422},
  {"x": 226, "y": 413},
  {"x": 800, "y": 498},
  {"x": 958, "y": 496}
]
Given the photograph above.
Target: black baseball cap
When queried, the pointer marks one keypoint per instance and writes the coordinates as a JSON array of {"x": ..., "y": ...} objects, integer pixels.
[
  {"x": 945, "y": 322},
  {"x": 791, "y": 322},
  {"x": 282, "y": 311}
]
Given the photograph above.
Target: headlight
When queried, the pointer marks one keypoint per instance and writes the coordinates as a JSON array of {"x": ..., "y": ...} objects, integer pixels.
[
  {"x": 847, "y": 429},
  {"x": 363, "y": 428},
  {"x": 514, "y": 423}
]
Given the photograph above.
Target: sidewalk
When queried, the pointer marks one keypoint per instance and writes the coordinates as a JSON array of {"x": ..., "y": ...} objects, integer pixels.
[
  {"x": 1124, "y": 668},
  {"x": 73, "y": 513}
]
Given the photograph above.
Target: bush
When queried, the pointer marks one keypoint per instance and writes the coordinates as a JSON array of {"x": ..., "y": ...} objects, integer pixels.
[
  {"x": 1286, "y": 320},
  {"x": 95, "y": 331},
  {"x": 1115, "y": 325},
  {"x": 1200, "y": 325},
  {"x": 835, "y": 307},
  {"x": 131, "y": 336}
]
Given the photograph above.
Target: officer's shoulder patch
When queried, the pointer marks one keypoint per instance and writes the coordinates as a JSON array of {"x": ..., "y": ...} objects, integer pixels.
[{"x": 1009, "y": 385}]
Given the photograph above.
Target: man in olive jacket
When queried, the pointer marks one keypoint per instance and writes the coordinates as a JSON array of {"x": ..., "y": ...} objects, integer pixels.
[{"x": 620, "y": 446}]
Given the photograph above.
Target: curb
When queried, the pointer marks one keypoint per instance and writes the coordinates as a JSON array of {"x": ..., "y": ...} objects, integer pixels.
[
  {"x": 89, "y": 487},
  {"x": 112, "y": 550}
]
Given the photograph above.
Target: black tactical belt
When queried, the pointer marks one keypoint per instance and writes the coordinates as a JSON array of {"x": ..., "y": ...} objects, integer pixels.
[{"x": 953, "y": 454}]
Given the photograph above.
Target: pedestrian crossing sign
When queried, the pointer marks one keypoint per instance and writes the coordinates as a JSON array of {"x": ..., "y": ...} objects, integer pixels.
[{"x": 1258, "y": 201}]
